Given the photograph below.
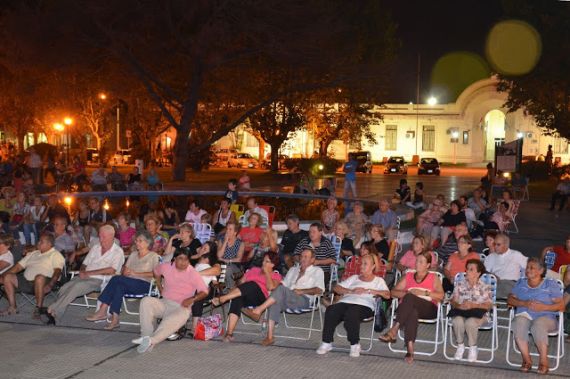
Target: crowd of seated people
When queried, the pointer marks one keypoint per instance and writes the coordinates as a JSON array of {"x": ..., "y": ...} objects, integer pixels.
[{"x": 121, "y": 255}]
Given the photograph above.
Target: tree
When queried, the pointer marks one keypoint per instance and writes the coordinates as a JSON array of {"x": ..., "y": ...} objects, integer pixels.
[
  {"x": 340, "y": 118},
  {"x": 543, "y": 93}
]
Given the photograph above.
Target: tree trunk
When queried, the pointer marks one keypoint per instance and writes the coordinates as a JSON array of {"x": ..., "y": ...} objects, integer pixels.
[
  {"x": 323, "y": 147},
  {"x": 275, "y": 156}
]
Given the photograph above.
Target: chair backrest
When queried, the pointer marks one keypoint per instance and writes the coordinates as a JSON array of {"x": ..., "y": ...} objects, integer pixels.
[
  {"x": 242, "y": 220},
  {"x": 337, "y": 243},
  {"x": 549, "y": 259},
  {"x": 222, "y": 276},
  {"x": 238, "y": 210},
  {"x": 482, "y": 257},
  {"x": 202, "y": 231},
  {"x": 487, "y": 278},
  {"x": 515, "y": 210},
  {"x": 439, "y": 274},
  {"x": 270, "y": 209},
  {"x": 562, "y": 271}
]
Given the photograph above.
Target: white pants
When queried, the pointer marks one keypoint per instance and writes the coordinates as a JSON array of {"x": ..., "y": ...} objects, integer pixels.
[{"x": 173, "y": 316}]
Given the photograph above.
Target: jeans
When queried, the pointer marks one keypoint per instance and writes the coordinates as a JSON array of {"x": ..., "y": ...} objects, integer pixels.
[{"x": 119, "y": 286}]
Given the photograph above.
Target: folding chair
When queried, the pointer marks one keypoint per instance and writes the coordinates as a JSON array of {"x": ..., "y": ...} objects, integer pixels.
[
  {"x": 435, "y": 321},
  {"x": 202, "y": 231},
  {"x": 558, "y": 334},
  {"x": 88, "y": 297},
  {"x": 238, "y": 210},
  {"x": 491, "y": 323},
  {"x": 337, "y": 243},
  {"x": 314, "y": 307},
  {"x": 127, "y": 298},
  {"x": 512, "y": 222}
]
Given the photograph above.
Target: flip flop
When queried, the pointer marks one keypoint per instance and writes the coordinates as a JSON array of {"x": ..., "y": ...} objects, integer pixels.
[
  {"x": 112, "y": 327},
  {"x": 387, "y": 338}
]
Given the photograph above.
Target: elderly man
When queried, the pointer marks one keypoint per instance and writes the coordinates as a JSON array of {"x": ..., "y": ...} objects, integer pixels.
[
  {"x": 36, "y": 273},
  {"x": 506, "y": 264},
  {"x": 252, "y": 207},
  {"x": 103, "y": 260},
  {"x": 386, "y": 217},
  {"x": 297, "y": 291},
  {"x": 325, "y": 253},
  {"x": 180, "y": 286}
]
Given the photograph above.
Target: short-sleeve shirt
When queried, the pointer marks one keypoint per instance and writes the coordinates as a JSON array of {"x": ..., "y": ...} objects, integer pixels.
[
  {"x": 190, "y": 250},
  {"x": 180, "y": 285},
  {"x": 480, "y": 293},
  {"x": 313, "y": 277},
  {"x": 9, "y": 258},
  {"x": 365, "y": 299},
  {"x": 457, "y": 264},
  {"x": 64, "y": 243},
  {"x": 506, "y": 266},
  {"x": 562, "y": 257},
  {"x": 545, "y": 293},
  {"x": 94, "y": 260},
  {"x": 195, "y": 218},
  {"x": 257, "y": 276},
  {"x": 37, "y": 263},
  {"x": 325, "y": 250},
  {"x": 126, "y": 237},
  {"x": 250, "y": 235},
  {"x": 144, "y": 264},
  {"x": 290, "y": 240}
]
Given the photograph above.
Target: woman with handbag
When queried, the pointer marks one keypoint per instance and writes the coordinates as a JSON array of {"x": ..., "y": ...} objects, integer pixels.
[{"x": 470, "y": 303}]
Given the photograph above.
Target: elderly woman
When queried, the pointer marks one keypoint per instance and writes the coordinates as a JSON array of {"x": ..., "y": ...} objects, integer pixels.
[
  {"x": 357, "y": 303},
  {"x": 257, "y": 282},
  {"x": 136, "y": 279},
  {"x": 183, "y": 240},
  {"x": 356, "y": 221},
  {"x": 449, "y": 220},
  {"x": 230, "y": 251},
  {"x": 330, "y": 215},
  {"x": 378, "y": 237},
  {"x": 537, "y": 300},
  {"x": 153, "y": 225},
  {"x": 489, "y": 242},
  {"x": 347, "y": 245},
  {"x": 408, "y": 260},
  {"x": 419, "y": 292},
  {"x": 470, "y": 303},
  {"x": 456, "y": 261}
]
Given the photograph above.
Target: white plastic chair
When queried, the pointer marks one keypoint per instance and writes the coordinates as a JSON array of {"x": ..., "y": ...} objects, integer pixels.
[
  {"x": 314, "y": 307},
  {"x": 437, "y": 321},
  {"x": 558, "y": 334},
  {"x": 337, "y": 243},
  {"x": 491, "y": 324},
  {"x": 152, "y": 291},
  {"x": 203, "y": 232}
]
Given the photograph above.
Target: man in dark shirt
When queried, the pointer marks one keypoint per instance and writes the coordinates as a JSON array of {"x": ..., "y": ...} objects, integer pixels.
[{"x": 291, "y": 238}]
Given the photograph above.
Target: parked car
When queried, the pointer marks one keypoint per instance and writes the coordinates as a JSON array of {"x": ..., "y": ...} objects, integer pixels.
[
  {"x": 122, "y": 157},
  {"x": 396, "y": 165},
  {"x": 222, "y": 156},
  {"x": 242, "y": 160},
  {"x": 429, "y": 166},
  {"x": 364, "y": 160}
]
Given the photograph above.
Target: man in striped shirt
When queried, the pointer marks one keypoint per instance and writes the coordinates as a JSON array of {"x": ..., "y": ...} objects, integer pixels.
[{"x": 324, "y": 251}]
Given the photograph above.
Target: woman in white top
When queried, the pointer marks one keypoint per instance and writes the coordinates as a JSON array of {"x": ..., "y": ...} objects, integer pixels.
[
  {"x": 194, "y": 213},
  {"x": 357, "y": 304},
  {"x": 6, "y": 257}
]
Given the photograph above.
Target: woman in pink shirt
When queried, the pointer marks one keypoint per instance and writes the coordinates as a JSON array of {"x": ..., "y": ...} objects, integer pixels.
[
  {"x": 125, "y": 232},
  {"x": 419, "y": 293},
  {"x": 408, "y": 260},
  {"x": 254, "y": 290}
]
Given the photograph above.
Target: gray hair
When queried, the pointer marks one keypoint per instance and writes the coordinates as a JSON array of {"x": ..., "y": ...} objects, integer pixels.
[
  {"x": 107, "y": 229},
  {"x": 146, "y": 235},
  {"x": 505, "y": 238}
]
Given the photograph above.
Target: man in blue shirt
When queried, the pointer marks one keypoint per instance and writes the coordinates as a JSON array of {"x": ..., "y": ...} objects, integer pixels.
[
  {"x": 386, "y": 217},
  {"x": 350, "y": 177}
]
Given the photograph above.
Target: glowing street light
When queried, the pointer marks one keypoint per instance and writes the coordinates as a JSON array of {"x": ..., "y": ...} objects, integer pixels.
[
  {"x": 68, "y": 121},
  {"x": 58, "y": 127},
  {"x": 520, "y": 135},
  {"x": 103, "y": 96},
  {"x": 67, "y": 200},
  {"x": 432, "y": 101},
  {"x": 455, "y": 134}
]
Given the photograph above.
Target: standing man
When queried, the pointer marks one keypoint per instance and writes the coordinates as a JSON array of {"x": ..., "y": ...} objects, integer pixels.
[{"x": 350, "y": 176}]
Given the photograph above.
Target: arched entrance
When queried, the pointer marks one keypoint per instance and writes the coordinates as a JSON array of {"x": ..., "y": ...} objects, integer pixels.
[{"x": 494, "y": 132}]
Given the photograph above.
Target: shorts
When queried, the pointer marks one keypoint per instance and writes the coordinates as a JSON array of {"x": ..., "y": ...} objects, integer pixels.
[{"x": 25, "y": 285}]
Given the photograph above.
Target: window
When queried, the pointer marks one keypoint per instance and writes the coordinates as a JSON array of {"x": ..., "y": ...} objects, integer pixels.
[
  {"x": 428, "y": 138},
  {"x": 560, "y": 145},
  {"x": 466, "y": 137},
  {"x": 391, "y": 137}
]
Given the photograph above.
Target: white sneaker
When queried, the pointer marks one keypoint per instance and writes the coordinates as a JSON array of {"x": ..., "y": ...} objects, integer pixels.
[
  {"x": 355, "y": 351},
  {"x": 145, "y": 345},
  {"x": 137, "y": 341},
  {"x": 459, "y": 352},
  {"x": 472, "y": 356},
  {"x": 324, "y": 348}
]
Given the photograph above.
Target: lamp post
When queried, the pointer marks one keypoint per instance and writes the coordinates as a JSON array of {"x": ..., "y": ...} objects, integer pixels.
[
  {"x": 454, "y": 139},
  {"x": 67, "y": 121}
]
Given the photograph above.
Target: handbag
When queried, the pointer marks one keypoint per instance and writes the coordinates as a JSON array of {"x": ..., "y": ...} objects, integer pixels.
[
  {"x": 467, "y": 313},
  {"x": 209, "y": 327},
  {"x": 380, "y": 321}
]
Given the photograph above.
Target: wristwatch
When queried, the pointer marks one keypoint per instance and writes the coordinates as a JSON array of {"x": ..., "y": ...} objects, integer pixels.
[{"x": 427, "y": 293}]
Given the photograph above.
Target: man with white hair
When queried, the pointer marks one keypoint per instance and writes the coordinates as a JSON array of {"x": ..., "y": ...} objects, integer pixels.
[
  {"x": 506, "y": 264},
  {"x": 103, "y": 260}
]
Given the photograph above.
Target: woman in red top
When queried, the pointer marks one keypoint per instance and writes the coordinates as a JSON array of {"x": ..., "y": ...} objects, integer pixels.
[
  {"x": 254, "y": 290},
  {"x": 457, "y": 261},
  {"x": 250, "y": 235},
  {"x": 419, "y": 293}
]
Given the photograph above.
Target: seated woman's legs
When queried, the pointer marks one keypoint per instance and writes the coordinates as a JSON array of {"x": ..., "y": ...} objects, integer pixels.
[
  {"x": 353, "y": 316},
  {"x": 333, "y": 316},
  {"x": 198, "y": 309},
  {"x": 539, "y": 329},
  {"x": 246, "y": 294}
]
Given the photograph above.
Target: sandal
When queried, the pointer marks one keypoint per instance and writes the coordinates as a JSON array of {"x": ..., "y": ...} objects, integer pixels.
[
  {"x": 409, "y": 358},
  {"x": 525, "y": 367},
  {"x": 228, "y": 337},
  {"x": 112, "y": 326},
  {"x": 387, "y": 338},
  {"x": 542, "y": 369}
]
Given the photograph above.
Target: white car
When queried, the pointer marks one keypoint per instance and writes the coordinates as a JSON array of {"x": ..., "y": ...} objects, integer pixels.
[
  {"x": 122, "y": 157},
  {"x": 242, "y": 160}
]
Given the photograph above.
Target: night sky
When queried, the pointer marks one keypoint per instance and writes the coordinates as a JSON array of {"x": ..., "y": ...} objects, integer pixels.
[{"x": 432, "y": 29}]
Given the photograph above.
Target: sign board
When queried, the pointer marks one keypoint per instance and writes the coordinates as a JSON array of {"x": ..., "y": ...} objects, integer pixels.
[{"x": 508, "y": 156}]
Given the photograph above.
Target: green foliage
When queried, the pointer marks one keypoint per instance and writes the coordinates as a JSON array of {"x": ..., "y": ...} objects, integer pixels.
[{"x": 312, "y": 166}]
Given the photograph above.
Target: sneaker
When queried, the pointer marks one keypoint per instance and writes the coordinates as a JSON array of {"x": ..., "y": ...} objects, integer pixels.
[
  {"x": 355, "y": 351},
  {"x": 145, "y": 345},
  {"x": 459, "y": 352},
  {"x": 472, "y": 356},
  {"x": 324, "y": 348},
  {"x": 137, "y": 341}
]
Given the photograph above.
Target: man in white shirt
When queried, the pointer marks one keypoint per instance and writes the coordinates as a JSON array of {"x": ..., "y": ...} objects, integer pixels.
[
  {"x": 36, "y": 274},
  {"x": 297, "y": 291},
  {"x": 104, "y": 260},
  {"x": 506, "y": 264}
]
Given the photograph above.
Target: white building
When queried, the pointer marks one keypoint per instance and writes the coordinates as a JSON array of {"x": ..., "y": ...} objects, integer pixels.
[{"x": 478, "y": 119}]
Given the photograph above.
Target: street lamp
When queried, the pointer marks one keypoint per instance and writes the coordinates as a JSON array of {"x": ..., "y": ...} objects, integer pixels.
[{"x": 432, "y": 101}]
